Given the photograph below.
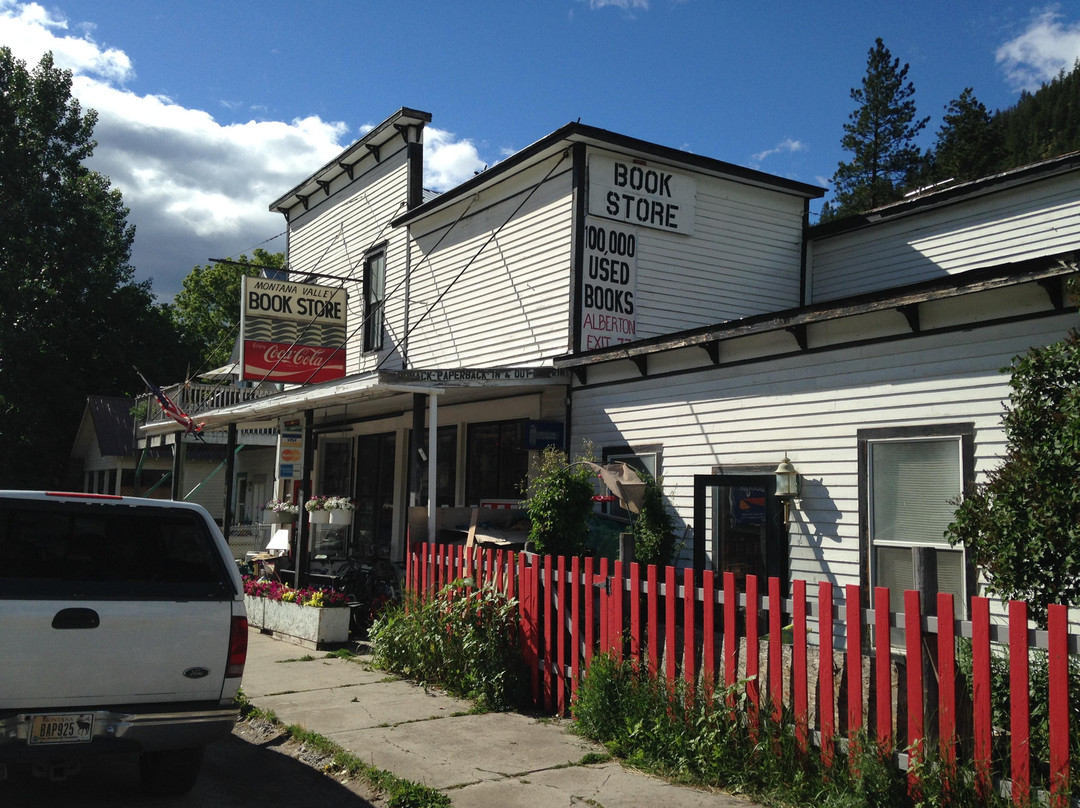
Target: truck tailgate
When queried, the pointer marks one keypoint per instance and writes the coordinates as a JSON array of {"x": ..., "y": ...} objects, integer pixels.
[{"x": 150, "y": 651}]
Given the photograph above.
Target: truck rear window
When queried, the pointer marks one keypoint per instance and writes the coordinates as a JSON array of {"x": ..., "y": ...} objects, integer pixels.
[{"x": 87, "y": 550}]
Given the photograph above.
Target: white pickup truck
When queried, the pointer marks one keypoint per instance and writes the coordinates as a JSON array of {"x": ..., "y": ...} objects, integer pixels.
[{"x": 122, "y": 630}]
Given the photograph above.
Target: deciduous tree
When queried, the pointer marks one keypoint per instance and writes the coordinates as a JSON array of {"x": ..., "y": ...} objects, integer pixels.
[
  {"x": 74, "y": 320},
  {"x": 206, "y": 312},
  {"x": 1022, "y": 525}
]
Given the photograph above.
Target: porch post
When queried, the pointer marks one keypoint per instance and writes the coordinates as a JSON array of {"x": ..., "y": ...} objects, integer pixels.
[
  {"x": 433, "y": 429},
  {"x": 230, "y": 470}
]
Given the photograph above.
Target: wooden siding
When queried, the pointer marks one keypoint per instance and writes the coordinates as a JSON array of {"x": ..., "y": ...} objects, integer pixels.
[
  {"x": 744, "y": 258},
  {"x": 1039, "y": 218},
  {"x": 486, "y": 292},
  {"x": 811, "y": 407},
  {"x": 333, "y": 238}
]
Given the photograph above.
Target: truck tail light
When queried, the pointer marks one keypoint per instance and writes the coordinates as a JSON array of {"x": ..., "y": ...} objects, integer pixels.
[{"x": 238, "y": 642}]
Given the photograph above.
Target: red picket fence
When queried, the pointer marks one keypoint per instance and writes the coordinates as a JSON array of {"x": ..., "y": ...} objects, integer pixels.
[{"x": 572, "y": 609}]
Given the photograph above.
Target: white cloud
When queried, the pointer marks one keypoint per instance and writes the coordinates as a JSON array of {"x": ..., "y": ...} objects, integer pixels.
[
  {"x": 786, "y": 146},
  {"x": 448, "y": 162},
  {"x": 1040, "y": 52},
  {"x": 196, "y": 189},
  {"x": 625, "y": 5}
]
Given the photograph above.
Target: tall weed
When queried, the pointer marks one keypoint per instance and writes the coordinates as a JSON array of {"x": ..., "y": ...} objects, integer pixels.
[{"x": 464, "y": 639}]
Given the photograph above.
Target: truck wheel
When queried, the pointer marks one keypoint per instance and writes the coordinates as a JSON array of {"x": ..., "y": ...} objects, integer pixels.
[{"x": 171, "y": 772}]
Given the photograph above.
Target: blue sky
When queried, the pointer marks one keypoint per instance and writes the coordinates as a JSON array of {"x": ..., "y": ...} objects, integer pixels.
[{"x": 209, "y": 111}]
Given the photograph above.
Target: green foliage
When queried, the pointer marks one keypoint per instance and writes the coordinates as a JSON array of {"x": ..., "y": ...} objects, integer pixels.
[
  {"x": 880, "y": 134},
  {"x": 969, "y": 145},
  {"x": 693, "y": 736},
  {"x": 207, "y": 309},
  {"x": 559, "y": 504},
  {"x": 463, "y": 639},
  {"x": 654, "y": 542},
  {"x": 1022, "y": 525},
  {"x": 74, "y": 319},
  {"x": 1039, "y": 701}
]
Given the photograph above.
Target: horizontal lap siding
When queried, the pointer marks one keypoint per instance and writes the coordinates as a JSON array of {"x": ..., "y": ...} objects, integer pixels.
[
  {"x": 333, "y": 238},
  {"x": 743, "y": 258},
  {"x": 511, "y": 303},
  {"x": 811, "y": 408},
  {"x": 1041, "y": 219}
]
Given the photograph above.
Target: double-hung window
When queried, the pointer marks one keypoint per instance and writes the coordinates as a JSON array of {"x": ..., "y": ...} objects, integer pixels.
[
  {"x": 374, "y": 293},
  {"x": 911, "y": 482}
]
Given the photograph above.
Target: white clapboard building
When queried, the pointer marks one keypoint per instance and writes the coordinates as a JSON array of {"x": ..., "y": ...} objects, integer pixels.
[{"x": 678, "y": 311}]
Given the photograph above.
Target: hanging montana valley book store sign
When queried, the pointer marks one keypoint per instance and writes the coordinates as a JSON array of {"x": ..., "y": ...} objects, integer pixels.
[{"x": 292, "y": 332}]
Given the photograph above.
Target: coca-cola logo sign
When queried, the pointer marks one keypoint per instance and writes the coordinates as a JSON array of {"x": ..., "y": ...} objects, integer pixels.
[{"x": 293, "y": 364}]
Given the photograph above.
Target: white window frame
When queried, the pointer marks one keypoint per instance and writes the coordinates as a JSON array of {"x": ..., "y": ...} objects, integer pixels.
[{"x": 961, "y": 437}]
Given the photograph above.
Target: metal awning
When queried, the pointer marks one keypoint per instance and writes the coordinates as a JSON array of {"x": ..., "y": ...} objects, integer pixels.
[{"x": 257, "y": 412}]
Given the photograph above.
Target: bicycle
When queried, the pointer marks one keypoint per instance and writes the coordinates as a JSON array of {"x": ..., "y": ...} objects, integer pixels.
[{"x": 369, "y": 587}]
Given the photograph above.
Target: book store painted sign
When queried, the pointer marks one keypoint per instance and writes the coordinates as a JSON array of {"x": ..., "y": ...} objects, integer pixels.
[
  {"x": 292, "y": 332},
  {"x": 635, "y": 192},
  {"x": 610, "y": 284}
]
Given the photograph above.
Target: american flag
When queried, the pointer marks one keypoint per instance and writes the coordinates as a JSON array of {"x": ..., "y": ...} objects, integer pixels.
[{"x": 169, "y": 407}]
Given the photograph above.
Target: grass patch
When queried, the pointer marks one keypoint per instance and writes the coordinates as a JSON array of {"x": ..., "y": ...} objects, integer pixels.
[{"x": 705, "y": 739}]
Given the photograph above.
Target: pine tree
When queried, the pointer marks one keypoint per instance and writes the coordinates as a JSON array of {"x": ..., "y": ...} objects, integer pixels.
[
  {"x": 880, "y": 134},
  {"x": 969, "y": 145}
]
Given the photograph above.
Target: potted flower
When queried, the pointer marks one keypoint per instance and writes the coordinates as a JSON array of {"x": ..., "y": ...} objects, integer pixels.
[
  {"x": 280, "y": 511},
  {"x": 316, "y": 508},
  {"x": 340, "y": 509}
]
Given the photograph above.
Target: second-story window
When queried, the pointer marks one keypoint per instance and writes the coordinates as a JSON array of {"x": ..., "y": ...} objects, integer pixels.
[{"x": 374, "y": 290}]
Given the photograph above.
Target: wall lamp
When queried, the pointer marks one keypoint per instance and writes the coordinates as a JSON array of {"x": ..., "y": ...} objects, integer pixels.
[{"x": 787, "y": 485}]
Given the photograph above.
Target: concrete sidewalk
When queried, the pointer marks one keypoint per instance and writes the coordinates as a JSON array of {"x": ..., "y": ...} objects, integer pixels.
[{"x": 499, "y": 760}]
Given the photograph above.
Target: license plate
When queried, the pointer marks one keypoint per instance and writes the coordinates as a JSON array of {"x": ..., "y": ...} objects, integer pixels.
[{"x": 69, "y": 728}]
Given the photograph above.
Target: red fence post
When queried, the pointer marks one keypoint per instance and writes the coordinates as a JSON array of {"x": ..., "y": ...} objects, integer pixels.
[
  {"x": 799, "y": 658},
  {"x": 916, "y": 725},
  {"x": 652, "y": 625},
  {"x": 776, "y": 650},
  {"x": 635, "y": 611},
  {"x": 546, "y": 593},
  {"x": 689, "y": 596},
  {"x": 1019, "y": 702},
  {"x": 980, "y": 694},
  {"x": 561, "y": 637},
  {"x": 731, "y": 640},
  {"x": 753, "y": 659},
  {"x": 883, "y": 671},
  {"x": 854, "y": 660},
  {"x": 826, "y": 703},
  {"x": 670, "y": 605},
  {"x": 946, "y": 653},
  {"x": 615, "y": 619},
  {"x": 708, "y": 633},
  {"x": 575, "y": 627},
  {"x": 589, "y": 592},
  {"x": 1058, "y": 660},
  {"x": 602, "y": 606}
]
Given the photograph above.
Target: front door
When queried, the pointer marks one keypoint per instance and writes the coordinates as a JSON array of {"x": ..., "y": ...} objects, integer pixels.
[
  {"x": 738, "y": 526},
  {"x": 373, "y": 521}
]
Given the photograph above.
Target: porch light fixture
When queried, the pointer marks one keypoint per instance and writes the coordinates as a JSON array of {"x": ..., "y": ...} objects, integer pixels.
[
  {"x": 787, "y": 485},
  {"x": 787, "y": 480}
]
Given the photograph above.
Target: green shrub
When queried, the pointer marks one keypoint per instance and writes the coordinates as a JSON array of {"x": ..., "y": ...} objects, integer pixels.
[
  {"x": 654, "y": 542},
  {"x": 559, "y": 503},
  {"x": 463, "y": 639}
]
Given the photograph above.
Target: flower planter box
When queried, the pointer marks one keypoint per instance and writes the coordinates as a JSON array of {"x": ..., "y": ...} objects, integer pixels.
[
  {"x": 319, "y": 517},
  {"x": 278, "y": 518},
  {"x": 339, "y": 516},
  {"x": 309, "y": 626}
]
